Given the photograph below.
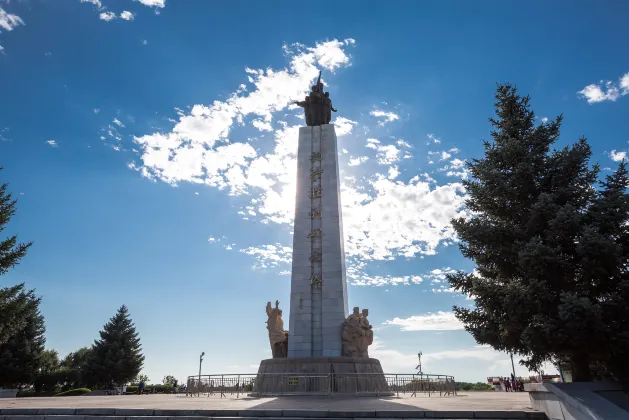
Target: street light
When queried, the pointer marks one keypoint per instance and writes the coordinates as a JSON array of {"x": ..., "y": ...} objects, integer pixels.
[
  {"x": 200, "y": 361},
  {"x": 512, "y": 365},
  {"x": 419, "y": 366}
]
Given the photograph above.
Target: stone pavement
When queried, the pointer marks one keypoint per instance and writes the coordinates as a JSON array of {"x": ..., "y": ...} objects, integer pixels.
[{"x": 473, "y": 401}]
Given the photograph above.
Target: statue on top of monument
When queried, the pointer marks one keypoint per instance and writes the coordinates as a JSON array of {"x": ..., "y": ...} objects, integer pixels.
[
  {"x": 317, "y": 105},
  {"x": 278, "y": 338}
]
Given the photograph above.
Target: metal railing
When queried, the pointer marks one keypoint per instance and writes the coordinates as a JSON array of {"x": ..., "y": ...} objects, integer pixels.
[{"x": 273, "y": 384}]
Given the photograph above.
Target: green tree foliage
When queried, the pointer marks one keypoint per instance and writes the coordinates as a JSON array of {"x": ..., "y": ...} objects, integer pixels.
[
  {"x": 14, "y": 302},
  {"x": 117, "y": 356},
  {"x": 141, "y": 378},
  {"x": 169, "y": 380},
  {"x": 21, "y": 355},
  {"x": 551, "y": 249}
]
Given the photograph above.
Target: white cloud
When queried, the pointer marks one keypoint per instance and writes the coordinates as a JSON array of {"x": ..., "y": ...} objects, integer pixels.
[
  {"x": 617, "y": 156},
  {"x": 182, "y": 154},
  {"x": 107, "y": 16},
  {"x": 155, "y": 3},
  {"x": 386, "y": 154},
  {"x": 388, "y": 116},
  {"x": 126, "y": 15},
  {"x": 471, "y": 364},
  {"x": 606, "y": 90},
  {"x": 269, "y": 256},
  {"x": 439, "y": 321},
  {"x": 393, "y": 172},
  {"x": 53, "y": 143},
  {"x": 387, "y": 281},
  {"x": 544, "y": 120},
  {"x": 343, "y": 126},
  {"x": 262, "y": 125},
  {"x": 96, "y": 3},
  {"x": 454, "y": 150},
  {"x": 399, "y": 219},
  {"x": 96, "y": 110},
  {"x": 434, "y": 139},
  {"x": 457, "y": 163},
  {"x": 144, "y": 42},
  {"x": 624, "y": 84},
  {"x": 402, "y": 143},
  {"x": 9, "y": 21},
  {"x": 383, "y": 218},
  {"x": 118, "y": 122},
  {"x": 445, "y": 155},
  {"x": 355, "y": 161}
]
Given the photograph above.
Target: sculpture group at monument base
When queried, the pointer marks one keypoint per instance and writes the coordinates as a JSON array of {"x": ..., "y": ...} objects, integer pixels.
[{"x": 321, "y": 375}]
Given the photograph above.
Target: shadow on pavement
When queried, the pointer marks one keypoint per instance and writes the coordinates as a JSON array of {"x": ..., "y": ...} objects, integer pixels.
[{"x": 335, "y": 403}]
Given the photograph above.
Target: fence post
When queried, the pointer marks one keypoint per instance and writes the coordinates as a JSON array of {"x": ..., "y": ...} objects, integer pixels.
[
  {"x": 397, "y": 386},
  {"x": 238, "y": 387}
]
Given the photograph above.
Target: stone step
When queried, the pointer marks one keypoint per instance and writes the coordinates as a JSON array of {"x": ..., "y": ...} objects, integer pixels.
[{"x": 255, "y": 414}]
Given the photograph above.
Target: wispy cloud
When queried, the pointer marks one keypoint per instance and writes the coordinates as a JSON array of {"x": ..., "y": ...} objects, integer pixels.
[
  {"x": 153, "y": 3},
  {"x": 386, "y": 116},
  {"x": 96, "y": 3},
  {"x": 606, "y": 90},
  {"x": 617, "y": 156},
  {"x": 439, "y": 321},
  {"x": 52, "y": 143},
  {"x": 384, "y": 216},
  {"x": 8, "y": 21},
  {"x": 107, "y": 16},
  {"x": 126, "y": 15}
]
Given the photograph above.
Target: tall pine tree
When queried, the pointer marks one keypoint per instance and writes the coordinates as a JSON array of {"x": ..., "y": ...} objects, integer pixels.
[
  {"x": 14, "y": 301},
  {"x": 117, "y": 357},
  {"x": 21, "y": 354},
  {"x": 551, "y": 251}
]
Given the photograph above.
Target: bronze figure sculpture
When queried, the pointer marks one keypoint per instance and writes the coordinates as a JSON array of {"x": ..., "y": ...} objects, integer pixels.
[{"x": 317, "y": 105}]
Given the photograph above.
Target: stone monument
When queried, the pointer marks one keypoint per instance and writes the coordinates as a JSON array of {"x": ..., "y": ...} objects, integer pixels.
[{"x": 323, "y": 338}]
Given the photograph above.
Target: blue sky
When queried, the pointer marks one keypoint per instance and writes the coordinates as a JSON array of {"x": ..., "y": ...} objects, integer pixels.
[{"x": 152, "y": 148}]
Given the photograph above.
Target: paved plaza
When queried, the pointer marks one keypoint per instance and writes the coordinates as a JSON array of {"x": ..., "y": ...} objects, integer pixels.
[{"x": 464, "y": 401}]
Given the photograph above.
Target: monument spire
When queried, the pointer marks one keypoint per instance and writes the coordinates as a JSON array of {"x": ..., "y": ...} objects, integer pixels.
[{"x": 321, "y": 337}]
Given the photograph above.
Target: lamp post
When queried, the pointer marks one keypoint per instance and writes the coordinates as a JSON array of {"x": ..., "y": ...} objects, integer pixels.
[
  {"x": 512, "y": 365},
  {"x": 419, "y": 366},
  {"x": 200, "y": 361}
]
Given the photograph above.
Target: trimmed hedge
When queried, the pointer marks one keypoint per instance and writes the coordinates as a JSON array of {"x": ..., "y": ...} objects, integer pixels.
[
  {"x": 151, "y": 389},
  {"x": 73, "y": 392}
]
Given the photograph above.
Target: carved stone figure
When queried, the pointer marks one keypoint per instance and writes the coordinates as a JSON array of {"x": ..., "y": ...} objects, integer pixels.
[
  {"x": 351, "y": 335},
  {"x": 367, "y": 339},
  {"x": 357, "y": 334},
  {"x": 317, "y": 106},
  {"x": 277, "y": 336}
]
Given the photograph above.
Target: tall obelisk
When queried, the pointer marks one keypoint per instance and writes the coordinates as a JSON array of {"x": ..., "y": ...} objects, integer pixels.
[
  {"x": 319, "y": 324},
  {"x": 318, "y": 305}
]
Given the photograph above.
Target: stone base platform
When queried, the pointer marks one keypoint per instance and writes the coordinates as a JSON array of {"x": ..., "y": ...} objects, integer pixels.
[{"x": 321, "y": 375}]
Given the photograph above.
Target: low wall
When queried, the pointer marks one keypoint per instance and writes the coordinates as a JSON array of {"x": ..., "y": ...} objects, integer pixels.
[
  {"x": 578, "y": 401},
  {"x": 8, "y": 393}
]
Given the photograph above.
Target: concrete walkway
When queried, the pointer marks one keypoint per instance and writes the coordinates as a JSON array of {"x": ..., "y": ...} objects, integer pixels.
[{"x": 473, "y": 401}]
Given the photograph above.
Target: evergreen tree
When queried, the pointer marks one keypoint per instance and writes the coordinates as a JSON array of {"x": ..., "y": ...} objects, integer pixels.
[
  {"x": 14, "y": 302},
  {"x": 75, "y": 368},
  {"x": 21, "y": 355},
  {"x": 551, "y": 251},
  {"x": 117, "y": 357}
]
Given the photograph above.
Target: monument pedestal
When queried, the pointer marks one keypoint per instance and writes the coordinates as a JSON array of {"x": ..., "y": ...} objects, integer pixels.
[{"x": 321, "y": 375}]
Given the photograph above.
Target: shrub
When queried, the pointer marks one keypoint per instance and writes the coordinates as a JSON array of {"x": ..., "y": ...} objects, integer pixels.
[{"x": 73, "y": 392}]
